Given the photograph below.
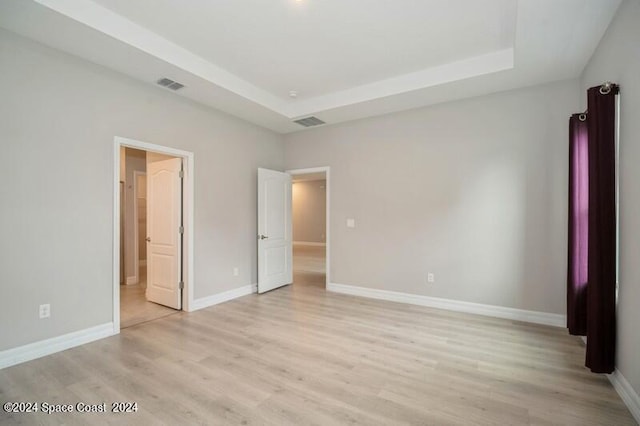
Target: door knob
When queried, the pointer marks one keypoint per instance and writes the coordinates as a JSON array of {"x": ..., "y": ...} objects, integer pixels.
[
  {"x": 148, "y": 239},
  {"x": 262, "y": 237}
]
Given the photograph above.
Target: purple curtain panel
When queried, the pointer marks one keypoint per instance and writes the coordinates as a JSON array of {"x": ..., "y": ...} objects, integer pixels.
[
  {"x": 601, "y": 287},
  {"x": 578, "y": 242}
]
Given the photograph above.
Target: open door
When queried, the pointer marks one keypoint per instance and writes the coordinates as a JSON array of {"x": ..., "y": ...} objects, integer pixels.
[
  {"x": 164, "y": 232},
  {"x": 275, "y": 266}
]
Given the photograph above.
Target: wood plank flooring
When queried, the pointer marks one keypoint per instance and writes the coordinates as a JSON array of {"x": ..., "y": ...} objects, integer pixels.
[
  {"x": 134, "y": 306},
  {"x": 309, "y": 259},
  {"x": 299, "y": 355}
]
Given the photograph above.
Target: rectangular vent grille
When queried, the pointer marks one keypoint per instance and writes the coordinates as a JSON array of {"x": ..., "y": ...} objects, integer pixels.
[
  {"x": 170, "y": 84},
  {"x": 309, "y": 121}
]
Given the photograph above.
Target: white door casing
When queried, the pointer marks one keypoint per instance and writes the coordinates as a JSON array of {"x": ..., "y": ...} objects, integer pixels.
[
  {"x": 164, "y": 245},
  {"x": 275, "y": 266}
]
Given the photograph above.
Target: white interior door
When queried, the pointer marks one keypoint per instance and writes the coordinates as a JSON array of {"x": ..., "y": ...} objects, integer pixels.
[
  {"x": 164, "y": 242},
  {"x": 275, "y": 267}
]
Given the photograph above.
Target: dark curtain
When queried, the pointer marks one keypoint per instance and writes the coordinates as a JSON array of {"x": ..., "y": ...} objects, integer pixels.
[
  {"x": 601, "y": 287},
  {"x": 578, "y": 225}
]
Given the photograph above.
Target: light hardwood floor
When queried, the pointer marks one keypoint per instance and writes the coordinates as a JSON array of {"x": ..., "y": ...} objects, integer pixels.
[
  {"x": 134, "y": 306},
  {"x": 309, "y": 265},
  {"x": 299, "y": 355}
]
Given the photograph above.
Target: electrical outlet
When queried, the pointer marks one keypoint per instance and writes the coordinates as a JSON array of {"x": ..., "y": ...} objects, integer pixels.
[
  {"x": 431, "y": 278},
  {"x": 236, "y": 272},
  {"x": 45, "y": 311}
]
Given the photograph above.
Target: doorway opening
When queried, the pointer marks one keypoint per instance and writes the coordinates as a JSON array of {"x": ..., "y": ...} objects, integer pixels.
[
  {"x": 153, "y": 232},
  {"x": 310, "y": 223}
]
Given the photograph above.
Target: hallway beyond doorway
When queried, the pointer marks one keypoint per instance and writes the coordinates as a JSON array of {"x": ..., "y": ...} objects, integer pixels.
[
  {"x": 134, "y": 306},
  {"x": 309, "y": 266}
]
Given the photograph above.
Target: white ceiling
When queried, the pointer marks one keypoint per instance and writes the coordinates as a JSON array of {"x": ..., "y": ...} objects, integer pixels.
[
  {"x": 318, "y": 46},
  {"x": 346, "y": 59}
]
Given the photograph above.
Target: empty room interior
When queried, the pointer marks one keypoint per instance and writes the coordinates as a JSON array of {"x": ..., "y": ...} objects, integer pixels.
[{"x": 320, "y": 212}]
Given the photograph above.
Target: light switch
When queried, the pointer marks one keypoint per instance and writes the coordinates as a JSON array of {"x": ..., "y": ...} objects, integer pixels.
[{"x": 351, "y": 223}]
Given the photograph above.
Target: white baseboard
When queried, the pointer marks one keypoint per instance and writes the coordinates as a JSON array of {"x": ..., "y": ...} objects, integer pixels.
[
  {"x": 627, "y": 393},
  {"x": 309, "y": 243},
  {"x": 535, "y": 317},
  {"x": 205, "y": 302},
  {"x": 132, "y": 280},
  {"x": 42, "y": 348}
]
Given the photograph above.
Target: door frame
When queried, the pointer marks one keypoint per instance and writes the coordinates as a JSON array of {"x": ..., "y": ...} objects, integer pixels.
[
  {"x": 187, "y": 214},
  {"x": 327, "y": 173}
]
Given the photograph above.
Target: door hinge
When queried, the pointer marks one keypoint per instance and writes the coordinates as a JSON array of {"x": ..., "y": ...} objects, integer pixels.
[
  {"x": 181, "y": 174},
  {"x": 181, "y": 230},
  {"x": 181, "y": 285}
]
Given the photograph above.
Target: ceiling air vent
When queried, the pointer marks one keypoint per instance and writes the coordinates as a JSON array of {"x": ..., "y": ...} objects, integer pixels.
[
  {"x": 309, "y": 121},
  {"x": 170, "y": 84}
]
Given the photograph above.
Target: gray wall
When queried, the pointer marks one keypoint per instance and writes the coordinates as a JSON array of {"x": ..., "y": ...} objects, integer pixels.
[
  {"x": 62, "y": 113},
  {"x": 617, "y": 59},
  {"x": 309, "y": 211},
  {"x": 474, "y": 191}
]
